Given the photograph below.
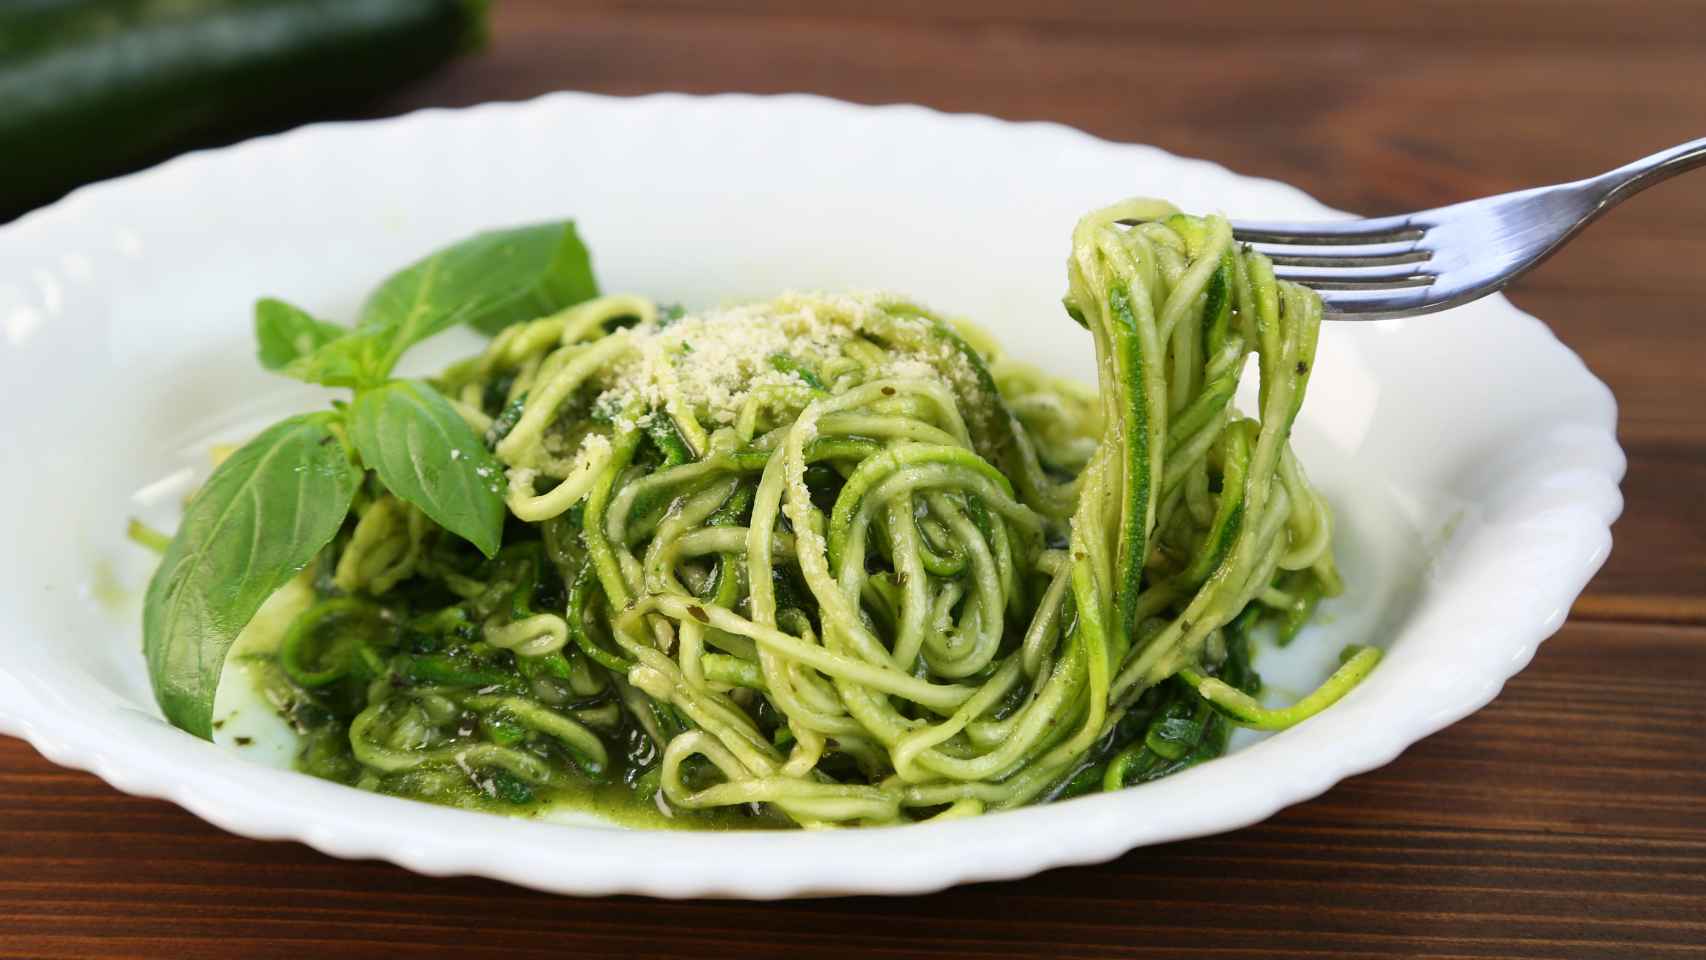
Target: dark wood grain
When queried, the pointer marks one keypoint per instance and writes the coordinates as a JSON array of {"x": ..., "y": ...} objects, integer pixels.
[{"x": 1567, "y": 819}]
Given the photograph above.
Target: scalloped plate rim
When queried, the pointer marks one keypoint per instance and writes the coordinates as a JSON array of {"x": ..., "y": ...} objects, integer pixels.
[{"x": 887, "y": 860}]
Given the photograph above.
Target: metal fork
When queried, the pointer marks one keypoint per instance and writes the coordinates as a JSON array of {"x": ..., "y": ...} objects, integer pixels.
[{"x": 1429, "y": 261}]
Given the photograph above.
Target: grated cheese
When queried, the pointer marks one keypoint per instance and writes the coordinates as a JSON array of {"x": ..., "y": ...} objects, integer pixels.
[{"x": 717, "y": 359}]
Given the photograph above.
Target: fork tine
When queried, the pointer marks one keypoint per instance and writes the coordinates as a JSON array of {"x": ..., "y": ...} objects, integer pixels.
[
  {"x": 1378, "y": 230},
  {"x": 1374, "y": 304},
  {"x": 1339, "y": 277},
  {"x": 1349, "y": 255}
]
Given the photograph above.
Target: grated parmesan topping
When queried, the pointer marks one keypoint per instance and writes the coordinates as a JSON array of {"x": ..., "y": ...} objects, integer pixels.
[
  {"x": 717, "y": 359},
  {"x": 593, "y": 446}
]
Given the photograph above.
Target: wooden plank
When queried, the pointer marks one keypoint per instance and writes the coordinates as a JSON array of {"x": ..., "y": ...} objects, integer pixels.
[
  {"x": 1354, "y": 116},
  {"x": 1512, "y": 23},
  {"x": 1567, "y": 818},
  {"x": 1321, "y": 116}
]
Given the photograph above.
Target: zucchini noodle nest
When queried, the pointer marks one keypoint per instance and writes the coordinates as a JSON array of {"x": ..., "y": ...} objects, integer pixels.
[{"x": 834, "y": 560}]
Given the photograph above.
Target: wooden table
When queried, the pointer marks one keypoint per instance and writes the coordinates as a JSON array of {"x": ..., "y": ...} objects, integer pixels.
[{"x": 1568, "y": 819}]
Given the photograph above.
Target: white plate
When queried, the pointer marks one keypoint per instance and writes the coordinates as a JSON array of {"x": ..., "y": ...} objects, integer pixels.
[{"x": 1471, "y": 456}]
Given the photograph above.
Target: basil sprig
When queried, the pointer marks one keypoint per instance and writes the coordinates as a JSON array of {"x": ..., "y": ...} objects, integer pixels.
[
  {"x": 488, "y": 281},
  {"x": 269, "y": 508}
]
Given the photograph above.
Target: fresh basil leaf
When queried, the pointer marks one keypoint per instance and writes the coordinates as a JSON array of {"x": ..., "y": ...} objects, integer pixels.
[
  {"x": 425, "y": 453},
  {"x": 564, "y": 280},
  {"x": 339, "y": 363},
  {"x": 490, "y": 281},
  {"x": 262, "y": 516},
  {"x": 286, "y": 333}
]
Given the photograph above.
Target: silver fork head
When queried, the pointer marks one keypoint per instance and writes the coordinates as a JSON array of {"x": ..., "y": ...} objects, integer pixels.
[
  {"x": 1435, "y": 259},
  {"x": 1423, "y": 262}
]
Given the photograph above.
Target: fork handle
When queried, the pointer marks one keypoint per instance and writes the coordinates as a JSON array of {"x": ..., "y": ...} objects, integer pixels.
[{"x": 1631, "y": 178}]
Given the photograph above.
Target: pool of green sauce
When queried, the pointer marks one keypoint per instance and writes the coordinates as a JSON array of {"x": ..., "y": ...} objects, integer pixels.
[
  {"x": 322, "y": 751},
  {"x": 614, "y": 802},
  {"x": 610, "y": 799}
]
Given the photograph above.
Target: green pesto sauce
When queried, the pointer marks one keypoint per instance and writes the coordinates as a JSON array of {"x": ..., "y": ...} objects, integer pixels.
[
  {"x": 615, "y": 802},
  {"x": 321, "y": 754},
  {"x": 323, "y": 750}
]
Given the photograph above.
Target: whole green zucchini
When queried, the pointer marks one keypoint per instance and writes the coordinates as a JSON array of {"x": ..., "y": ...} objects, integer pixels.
[{"x": 92, "y": 88}]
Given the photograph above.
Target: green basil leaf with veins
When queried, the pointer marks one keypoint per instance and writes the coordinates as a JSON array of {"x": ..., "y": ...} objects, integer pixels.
[
  {"x": 285, "y": 333},
  {"x": 337, "y": 363},
  {"x": 489, "y": 281},
  {"x": 260, "y": 518},
  {"x": 425, "y": 453}
]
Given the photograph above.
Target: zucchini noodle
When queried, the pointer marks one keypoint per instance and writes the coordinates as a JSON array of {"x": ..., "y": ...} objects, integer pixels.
[{"x": 833, "y": 560}]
